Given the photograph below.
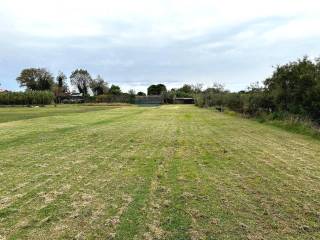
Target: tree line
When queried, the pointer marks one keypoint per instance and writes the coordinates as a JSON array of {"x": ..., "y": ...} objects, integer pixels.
[
  {"x": 293, "y": 88},
  {"x": 41, "y": 87},
  {"x": 39, "y": 82},
  {"x": 40, "y": 79}
]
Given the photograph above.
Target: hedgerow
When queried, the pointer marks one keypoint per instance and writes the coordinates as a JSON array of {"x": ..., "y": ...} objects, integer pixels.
[{"x": 26, "y": 98}]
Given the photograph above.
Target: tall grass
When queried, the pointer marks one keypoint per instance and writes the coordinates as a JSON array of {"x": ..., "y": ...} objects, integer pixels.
[
  {"x": 26, "y": 98},
  {"x": 293, "y": 123}
]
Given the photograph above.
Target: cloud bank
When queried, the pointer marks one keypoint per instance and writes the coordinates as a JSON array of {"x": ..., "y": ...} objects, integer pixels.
[{"x": 138, "y": 43}]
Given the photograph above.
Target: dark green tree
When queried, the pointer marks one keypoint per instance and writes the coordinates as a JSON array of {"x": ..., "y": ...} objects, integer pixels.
[
  {"x": 295, "y": 87},
  {"x": 115, "y": 90},
  {"x": 185, "y": 91},
  {"x": 156, "y": 89},
  {"x": 141, "y": 94},
  {"x": 36, "y": 79}
]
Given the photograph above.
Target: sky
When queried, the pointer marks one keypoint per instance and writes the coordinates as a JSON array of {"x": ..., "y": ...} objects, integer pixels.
[{"x": 136, "y": 43}]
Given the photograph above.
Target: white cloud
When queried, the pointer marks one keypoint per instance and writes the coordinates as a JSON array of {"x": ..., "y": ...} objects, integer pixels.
[
  {"x": 160, "y": 18},
  {"x": 297, "y": 29},
  {"x": 158, "y": 40}
]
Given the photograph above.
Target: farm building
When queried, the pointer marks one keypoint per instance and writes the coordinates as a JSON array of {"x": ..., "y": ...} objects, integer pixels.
[
  {"x": 151, "y": 99},
  {"x": 72, "y": 98}
]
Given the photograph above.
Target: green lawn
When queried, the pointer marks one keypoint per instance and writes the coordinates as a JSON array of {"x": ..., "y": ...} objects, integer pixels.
[
  {"x": 169, "y": 172},
  {"x": 8, "y": 114}
]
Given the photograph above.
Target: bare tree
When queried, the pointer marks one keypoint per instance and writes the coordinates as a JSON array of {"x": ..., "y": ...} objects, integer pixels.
[
  {"x": 81, "y": 79},
  {"x": 99, "y": 86}
]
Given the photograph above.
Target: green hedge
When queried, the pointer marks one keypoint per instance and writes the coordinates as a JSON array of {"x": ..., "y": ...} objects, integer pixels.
[
  {"x": 248, "y": 103},
  {"x": 111, "y": 98},
  {"x": 26, "y": 98}
]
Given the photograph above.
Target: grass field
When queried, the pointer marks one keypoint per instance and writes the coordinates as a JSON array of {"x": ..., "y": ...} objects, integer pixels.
[{"x": 169, "y": 172}]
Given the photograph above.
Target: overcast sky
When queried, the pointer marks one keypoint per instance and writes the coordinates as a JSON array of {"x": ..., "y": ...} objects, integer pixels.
[{"x": 135, "y": 43}]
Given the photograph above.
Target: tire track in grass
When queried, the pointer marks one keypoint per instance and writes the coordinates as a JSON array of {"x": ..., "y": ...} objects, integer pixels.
[
  {"x": 157, "y": 197},
  {"x": 139, "y": 212},
  {"x": 202, "y": 199},
  {"x": 167, "y": 217}
]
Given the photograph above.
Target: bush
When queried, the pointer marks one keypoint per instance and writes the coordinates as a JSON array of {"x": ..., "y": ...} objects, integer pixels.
[
  {"x": 26, "y": 98},
  {"x": 111, "y": 98},
  {"x": 234, "y": 101},
  {"x": 293, "y": 88}
]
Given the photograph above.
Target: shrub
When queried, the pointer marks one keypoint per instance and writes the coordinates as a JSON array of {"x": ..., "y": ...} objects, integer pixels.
[
  {"x": 234, "y": 101},
  {"x": 26, "y": 98},
  {"x": 111, "y": 98}
]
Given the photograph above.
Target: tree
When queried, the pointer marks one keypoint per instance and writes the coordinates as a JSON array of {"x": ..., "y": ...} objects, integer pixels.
[
  {"x": 60, "y": 79},
  {"x": 156, "y": 89},
  {"x": 60, "y": 87},
  {"x": 81, "y": 79},
  {"x": 132, "y": 92},
  {"x": 115, "y": 90},
  {"x": 36, "y": 79},
  {"x": 255, "y": 87},
  {"x": 132, "y": 95},
  {"x": 185, "y": 91},
  {"x": 197, "y": 88},
  {"x": 295, "y": 87},
  {"x": 61, "y": 83},
  {"x": 186, "y": 88},
  {"x": 141, "y": 94},
  {"x": 99, "y": 86}
]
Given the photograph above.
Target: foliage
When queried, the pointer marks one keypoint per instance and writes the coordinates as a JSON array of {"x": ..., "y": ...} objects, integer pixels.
[
  {"x": 141, "y": 94},
  {"x": 60, "y": 88},
  {"x": 132, "y": 95},
  {"x": 295, "y": 87},
  {"x": 292, "y": 88},
  {"x": 81, "y": 79},
  {"x": 61, "y": 81},
  {"x": 37, "y": 79},
  {"x": 99, "y": 86},
  {"x": 156, "y": 89},
  {"x": 114, "y": 98},
  {"x": 26, "y": 98},
  {"x": 115, "y": 90},
  {"x": 186, "y": 91}
]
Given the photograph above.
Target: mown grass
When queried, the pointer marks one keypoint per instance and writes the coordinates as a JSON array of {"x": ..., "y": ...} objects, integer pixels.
[
  {"x": 169, "y": 172},
  {"x": 19, "y": 113}
]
